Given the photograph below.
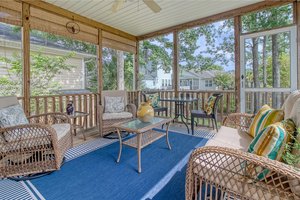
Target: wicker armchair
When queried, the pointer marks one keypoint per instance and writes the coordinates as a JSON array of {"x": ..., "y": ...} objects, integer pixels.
[
  {"x": 218, "y": 172},
  {"x": 36, "y": 147},
  {"x": 108, "y": 119}
]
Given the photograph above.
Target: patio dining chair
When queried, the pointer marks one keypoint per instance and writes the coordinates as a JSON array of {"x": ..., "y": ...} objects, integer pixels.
[
  {"x": 31, "y": 146},
  {"x": 156, "y": 107},
  {"x": 205, "y": 115}
]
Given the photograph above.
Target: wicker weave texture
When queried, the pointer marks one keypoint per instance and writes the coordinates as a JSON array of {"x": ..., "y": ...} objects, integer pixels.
[
  {"x": 34, "y": 147},
  {"x": 225, "y": 173}
]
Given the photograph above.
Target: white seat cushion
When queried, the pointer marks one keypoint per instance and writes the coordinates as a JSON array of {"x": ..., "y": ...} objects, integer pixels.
[
  {"x": 232, "y": 138},
  {"x": 121, "y": 115},
  {"x": 61, "y": 130}
]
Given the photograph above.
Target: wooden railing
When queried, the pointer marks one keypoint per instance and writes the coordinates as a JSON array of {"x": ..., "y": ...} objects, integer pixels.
[
  {"x": 88, "y": 103},
  {"x": 57, "y": 103}
]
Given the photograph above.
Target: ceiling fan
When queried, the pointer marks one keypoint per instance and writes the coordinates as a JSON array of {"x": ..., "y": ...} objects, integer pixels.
[{"x": 118, "y": 4}]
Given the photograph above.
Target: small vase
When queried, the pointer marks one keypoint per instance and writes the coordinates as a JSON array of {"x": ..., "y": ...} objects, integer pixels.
[
  {"x": 70, "y": 108},
  {"x": 145, "y": 112}
]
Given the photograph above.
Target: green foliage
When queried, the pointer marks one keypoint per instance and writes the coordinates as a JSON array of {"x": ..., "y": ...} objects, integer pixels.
[
  {"x": 289, "y": 155},
  {"x": 268, "y": 19},
  {"x": 43, "y": 69},
  {"x": 224, "y": 80},
  {"x": 157, "y": 53}
]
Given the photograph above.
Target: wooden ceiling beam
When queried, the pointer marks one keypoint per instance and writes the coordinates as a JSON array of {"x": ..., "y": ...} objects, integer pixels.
[
  {"x": 71, "y": 15},
  {"x": 220, "y": 16}
]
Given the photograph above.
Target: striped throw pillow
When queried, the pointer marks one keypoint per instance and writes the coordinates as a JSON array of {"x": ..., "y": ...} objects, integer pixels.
[
  {"x": 270, "y": 143},
  {"x": 264, "y": 117},
  {"x": 209, "y": 105}
]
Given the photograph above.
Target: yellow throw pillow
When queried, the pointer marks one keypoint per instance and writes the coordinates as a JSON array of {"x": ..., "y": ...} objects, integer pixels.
[
  {"x": 264, "y": 117},
  {"x": 209, "y": 105}
]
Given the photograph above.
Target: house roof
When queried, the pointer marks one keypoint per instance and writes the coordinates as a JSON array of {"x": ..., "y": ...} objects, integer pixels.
[
  {"x": 137, "y": 19},
  {"x": 202, "y": 75}
]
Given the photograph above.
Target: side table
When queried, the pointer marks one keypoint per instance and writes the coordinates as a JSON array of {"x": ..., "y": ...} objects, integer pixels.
[{"x": 75, "y": 126}]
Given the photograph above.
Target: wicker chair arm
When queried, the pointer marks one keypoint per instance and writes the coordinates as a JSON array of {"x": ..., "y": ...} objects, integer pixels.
[
  {"x": 50, "y": 118},
  {"x": 241, "y": 121},
  {"x": 132, "y": 108},
  {"x": 29, "y": 139},
  {"x": 227, "y": 168}
]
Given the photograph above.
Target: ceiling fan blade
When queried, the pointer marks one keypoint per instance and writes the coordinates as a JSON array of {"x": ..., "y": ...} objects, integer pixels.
[
  {"x": 117, "y": 5},
  {"x": 152, "y": 5}
]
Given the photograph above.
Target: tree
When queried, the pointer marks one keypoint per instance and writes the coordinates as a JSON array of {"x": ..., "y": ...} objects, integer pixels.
[
  {"x": 43, "y": 69},
  {"x": 224, "y": 80},
  {"x": 267, "y": 19}
]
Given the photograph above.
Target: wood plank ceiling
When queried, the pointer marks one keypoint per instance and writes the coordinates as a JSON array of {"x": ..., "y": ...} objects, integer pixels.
[{"x": 137, "y": 19}]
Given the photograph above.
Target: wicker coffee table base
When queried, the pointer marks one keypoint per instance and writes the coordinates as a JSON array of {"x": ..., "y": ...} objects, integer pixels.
[{"x": 142, "y": 140}]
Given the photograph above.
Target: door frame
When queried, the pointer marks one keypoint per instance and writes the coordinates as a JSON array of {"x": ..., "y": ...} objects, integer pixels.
[{"x": 293, "y": 58}]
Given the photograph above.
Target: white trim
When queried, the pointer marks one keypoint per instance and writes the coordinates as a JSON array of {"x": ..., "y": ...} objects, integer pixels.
[
  {"x": 293, "y": 59},
  {"x": 35, "y": 190},
  {"x": 28, "y": 190},
  {"x": 267, "y": 89}
]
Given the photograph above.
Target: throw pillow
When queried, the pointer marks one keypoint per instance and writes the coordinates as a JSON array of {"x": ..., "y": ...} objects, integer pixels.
[
  {"x": 209, "y": 105},
  {"x": 12, "y": 116},
  {"x": 264, "y": 117},
  {"x": 270, "y": 142},
  {"x": 114, "y": 104},
  {"x": 154, "y": 99}
]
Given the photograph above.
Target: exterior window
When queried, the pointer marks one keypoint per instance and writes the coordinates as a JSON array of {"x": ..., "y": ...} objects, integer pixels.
[
  {"x": 162, "y": 82},
  {"x": 208, "y": 83}
]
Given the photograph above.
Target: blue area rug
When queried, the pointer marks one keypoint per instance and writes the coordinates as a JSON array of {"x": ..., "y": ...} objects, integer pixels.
[{"x": 96, "y": 175}]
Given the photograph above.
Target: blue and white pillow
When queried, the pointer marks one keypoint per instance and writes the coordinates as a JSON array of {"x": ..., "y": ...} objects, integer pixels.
[{"x": 12, "y": 116}]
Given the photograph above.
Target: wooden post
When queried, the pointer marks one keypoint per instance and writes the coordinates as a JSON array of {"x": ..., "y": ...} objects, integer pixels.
[
  {"x": 136, "y": 83},
  {"x": 99, "y": 58},
  {"x": 120, "y": 70},
  {"x": 100, "y": 79},
  {"x": 297, "y": 22},
  {"x": 175, "y": 63},
  {"x": 237, "y": 32},
  {"x": 26, "y": 57}
]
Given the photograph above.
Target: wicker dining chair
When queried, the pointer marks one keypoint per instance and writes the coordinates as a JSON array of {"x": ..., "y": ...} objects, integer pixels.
[
  {"x": 36, "y": 147},
  {"x": 203, "y": 114}
]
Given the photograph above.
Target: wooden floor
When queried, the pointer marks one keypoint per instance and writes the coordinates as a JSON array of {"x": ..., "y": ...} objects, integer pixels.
[
  {"x": 94, "y": 133},
  {"x": 89, "y": 134}
]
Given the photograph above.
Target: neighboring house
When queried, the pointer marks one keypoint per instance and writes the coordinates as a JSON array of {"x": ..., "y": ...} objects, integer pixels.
[
  {"x": 189, "y": 80},
  {"x": 69, "y": 80}
]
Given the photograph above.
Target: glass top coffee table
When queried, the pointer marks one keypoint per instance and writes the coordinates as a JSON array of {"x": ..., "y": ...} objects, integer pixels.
[{"x": 144, "y": 134}]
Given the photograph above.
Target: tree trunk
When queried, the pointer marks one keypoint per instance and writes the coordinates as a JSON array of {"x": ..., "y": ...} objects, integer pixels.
[
  {"x": 255, "y": 66},
  {"x": 120, "y": 70},
  {"x": 276, "y": 71},
  {"x": 264, "y": 60}
]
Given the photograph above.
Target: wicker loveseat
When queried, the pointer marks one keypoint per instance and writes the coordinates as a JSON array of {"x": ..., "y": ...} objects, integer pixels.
[
  {"x": 108, "y": 119},
  {"x": 36, "y": 147},
  {"x": 220, "y": 170}
]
